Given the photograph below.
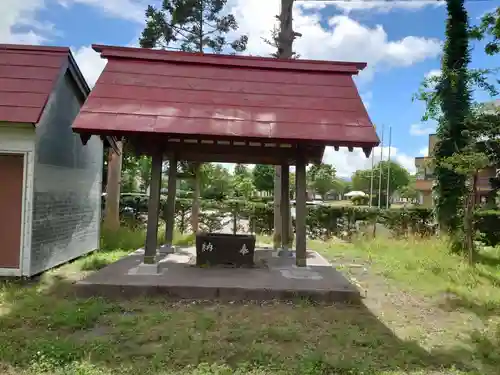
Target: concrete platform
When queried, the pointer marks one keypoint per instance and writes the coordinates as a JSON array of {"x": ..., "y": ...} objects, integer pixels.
[{"x": 176, "y": 277}]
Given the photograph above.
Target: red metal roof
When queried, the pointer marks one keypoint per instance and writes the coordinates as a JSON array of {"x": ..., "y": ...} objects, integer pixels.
[
  {"x": 153, "y": 91},
  {"x": 27, "y": 77}
]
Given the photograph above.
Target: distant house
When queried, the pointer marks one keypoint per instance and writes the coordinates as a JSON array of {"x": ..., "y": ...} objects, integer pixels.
[
  {"x": 425, "y": 177},
  {"x": 50, "y": 183}
]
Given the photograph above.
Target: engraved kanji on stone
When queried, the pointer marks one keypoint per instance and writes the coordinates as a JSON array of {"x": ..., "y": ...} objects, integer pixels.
[
  {"x": 244, "y": 250},
  {"x": 207, "y": 246}
]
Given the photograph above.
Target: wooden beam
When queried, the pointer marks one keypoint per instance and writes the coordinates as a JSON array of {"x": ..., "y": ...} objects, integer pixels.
[
  {"x": 190, "y": 150},
  {"x": 153, "y": 208},
  {"x": 300, "y": 212}
]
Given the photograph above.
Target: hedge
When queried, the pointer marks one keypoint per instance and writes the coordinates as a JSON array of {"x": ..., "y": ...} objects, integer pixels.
[
  {"x": 488, "y": 226},
  {"x": 322, "y": 221}
]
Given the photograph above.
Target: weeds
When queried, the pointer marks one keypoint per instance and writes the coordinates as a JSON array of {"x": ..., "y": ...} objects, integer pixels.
[{"x": 44, "y": 329}]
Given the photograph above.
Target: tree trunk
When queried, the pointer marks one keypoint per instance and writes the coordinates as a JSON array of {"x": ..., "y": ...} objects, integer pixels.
[
  {"x": 469, "y": 221},
  {"x": 112, "y": 208},
  {"x": 285, "y": 51},
  {"x": 195, "y": 211}
]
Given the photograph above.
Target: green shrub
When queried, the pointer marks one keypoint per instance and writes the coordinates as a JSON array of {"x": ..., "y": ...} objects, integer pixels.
[
  {"x": 124, "y": 238},
  {"x": 263, "y": 199},
  {"x": 321, "y": 221},
  {"x": 488, "y": 225},
  {"x": 360, "y": 201},
  {"x": 417, "y": 221},
  {"x": 262, "y": 218}
]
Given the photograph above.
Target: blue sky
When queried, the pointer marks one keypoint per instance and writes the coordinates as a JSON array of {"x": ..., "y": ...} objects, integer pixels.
[{"x": 400, "y": 41}]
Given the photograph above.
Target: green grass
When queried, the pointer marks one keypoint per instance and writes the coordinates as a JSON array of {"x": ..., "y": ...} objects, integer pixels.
[
  {"x": 426, "y": 267},
  {"x": 411, "y": 324},
  {"x": 117, "y": 244}
]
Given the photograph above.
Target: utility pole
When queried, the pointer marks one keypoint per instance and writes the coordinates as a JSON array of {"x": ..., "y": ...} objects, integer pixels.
[
  {"x": 388, "y": 170},
  {"x": 285, "y": 51},
  {"x": 371, "y": 179},
  {"x": 380, "y": 169}
]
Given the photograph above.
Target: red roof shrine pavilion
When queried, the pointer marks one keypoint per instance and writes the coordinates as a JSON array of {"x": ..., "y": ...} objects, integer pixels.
[{"x": 221, "y": 108}]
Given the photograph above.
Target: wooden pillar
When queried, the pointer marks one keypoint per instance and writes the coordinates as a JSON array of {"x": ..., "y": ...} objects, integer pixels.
[
  {"x": 170, "y": 208},
  {"x": 285, "y": 207},
  {"x": 300, "y": 212},
  {"x": 153, "y": 208},
  {"x": 195, "y": 210},
  {"x": 277, "y": 240}
]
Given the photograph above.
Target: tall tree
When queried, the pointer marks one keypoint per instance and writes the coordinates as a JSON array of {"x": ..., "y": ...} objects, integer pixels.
[
  {"x": 242, "y": 170},
  {"x": 216, "y": 181},
  {"x": 321, "y": 179},
  {"x": 283, "y": 41},
  {"x": 191, "y": 26},
  {"x": 242, "y": 186},
  {"x": 453, "y": 96},
  {"x": 483, "y": 151},
  {"x": 398, "y": 177},
  {"x": 263, "y": 177}
]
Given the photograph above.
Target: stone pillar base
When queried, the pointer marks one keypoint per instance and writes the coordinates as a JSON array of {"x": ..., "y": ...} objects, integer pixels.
[
  {"x": 145, "y": 269},
  {"x": 285, "y": 253},
  {"x": 300, "y": 262}
]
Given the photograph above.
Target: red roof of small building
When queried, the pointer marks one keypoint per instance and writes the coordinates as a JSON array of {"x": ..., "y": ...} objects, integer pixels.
[
  {"x": 27, "y": 77},
  {"x": 189, "y": 94}
]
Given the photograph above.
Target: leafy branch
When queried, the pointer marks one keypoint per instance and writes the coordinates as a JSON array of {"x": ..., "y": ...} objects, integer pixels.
[
  {"x": 430, "y": 89},
  {"x": 489, "y": 26}
]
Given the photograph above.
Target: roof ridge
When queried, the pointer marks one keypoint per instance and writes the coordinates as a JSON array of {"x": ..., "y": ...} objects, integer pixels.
[
  {"x": 33, "y": 48},
  {"x": 259, "y": 62}
]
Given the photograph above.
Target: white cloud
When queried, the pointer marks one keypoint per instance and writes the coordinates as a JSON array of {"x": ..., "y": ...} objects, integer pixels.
[
  {"x": 346, "y": 163},
  {"x": 367, "y": 5},
  {"x": 433, "y": 73},
  {"x": 18, "y": 22},
  {"x": 367, "y": 98},
  {"x": 383, "y": 5},
  {"x": 420, "y": 129},
  {"x": 132, "y": 10},
  {"x": 424, "y": 151},
  {"x": 90, "y": 63},
  {"x": 345, "y": 38}
]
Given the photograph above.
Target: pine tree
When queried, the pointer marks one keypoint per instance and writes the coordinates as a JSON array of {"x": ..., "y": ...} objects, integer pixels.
[{"x": 191, "y": 26}]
